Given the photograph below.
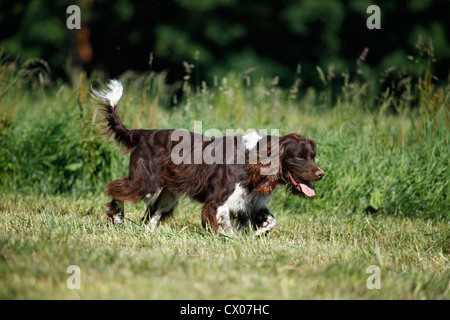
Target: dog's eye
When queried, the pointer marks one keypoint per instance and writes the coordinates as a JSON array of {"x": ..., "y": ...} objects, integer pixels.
[{"x": 300, "y": 158}]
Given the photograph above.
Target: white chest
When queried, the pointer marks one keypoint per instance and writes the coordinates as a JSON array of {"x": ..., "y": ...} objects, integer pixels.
[{"x": 243, "y": 202}]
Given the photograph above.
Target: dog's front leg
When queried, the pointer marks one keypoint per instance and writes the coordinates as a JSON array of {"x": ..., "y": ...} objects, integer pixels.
[
  {"x": 224, "y": 220},
  {"x": 263, "y": 220}
]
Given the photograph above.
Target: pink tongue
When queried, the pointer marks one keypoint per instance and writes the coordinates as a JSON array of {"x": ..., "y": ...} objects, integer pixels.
[{"x": 307, "y": 190}]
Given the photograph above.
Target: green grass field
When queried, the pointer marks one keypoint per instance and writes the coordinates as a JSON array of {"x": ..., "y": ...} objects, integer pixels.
[{"x": 384, "y": 200}]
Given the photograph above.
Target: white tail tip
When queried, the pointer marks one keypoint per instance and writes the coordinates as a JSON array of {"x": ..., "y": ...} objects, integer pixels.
[{"x": 112, "y": 94}]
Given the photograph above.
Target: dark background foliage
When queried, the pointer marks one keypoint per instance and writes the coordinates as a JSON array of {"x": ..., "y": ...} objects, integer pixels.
[{"x": 269, "y": 37}]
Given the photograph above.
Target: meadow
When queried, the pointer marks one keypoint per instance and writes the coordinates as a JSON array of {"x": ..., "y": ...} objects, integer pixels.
[{"x": 384, "y": 200}]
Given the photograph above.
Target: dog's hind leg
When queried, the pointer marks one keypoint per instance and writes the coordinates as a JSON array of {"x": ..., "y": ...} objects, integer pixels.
[
  {"x": 116, "y": 211},
  {"x": 121, "y": 190},
  {"x": 150, "y": 201},
  {"x": 149, "y": 211},
  {"x": 160, "y": 208}
]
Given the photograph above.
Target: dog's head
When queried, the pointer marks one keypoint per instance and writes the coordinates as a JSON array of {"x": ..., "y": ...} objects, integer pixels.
[
  {"x": 297, "y": 166},
  {"x": 291, "y": 162}
]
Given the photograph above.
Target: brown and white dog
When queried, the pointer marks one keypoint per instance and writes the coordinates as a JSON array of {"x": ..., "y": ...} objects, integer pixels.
[{"x": 233, "y": 183}]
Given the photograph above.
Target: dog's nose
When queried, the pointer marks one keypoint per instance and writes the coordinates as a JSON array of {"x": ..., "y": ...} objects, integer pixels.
[{"x": 320, "y": 174}]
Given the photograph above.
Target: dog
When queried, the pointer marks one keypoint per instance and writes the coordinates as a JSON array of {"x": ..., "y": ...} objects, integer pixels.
[{"x": 233, "y": 181}]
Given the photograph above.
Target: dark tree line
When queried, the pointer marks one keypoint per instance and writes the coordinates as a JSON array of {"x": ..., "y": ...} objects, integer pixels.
[{"x": 269, "y": 37}]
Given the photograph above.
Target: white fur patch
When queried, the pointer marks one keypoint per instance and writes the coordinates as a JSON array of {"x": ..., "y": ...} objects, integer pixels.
[
  {"x": 112, "y": 95},
  {"x": 224, "y": 220},
  {"x": 240, "y": 202},
  {"x": 251, "y": 139},
  {"x": 243, "y": 202}
]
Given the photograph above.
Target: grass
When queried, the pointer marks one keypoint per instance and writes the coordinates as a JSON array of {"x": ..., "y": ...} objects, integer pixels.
[
  {"x": 384, "y": 200},
  {"x": 311, "y": 255}
]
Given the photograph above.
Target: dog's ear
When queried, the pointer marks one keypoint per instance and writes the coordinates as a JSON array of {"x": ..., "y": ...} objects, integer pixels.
[
  {"x": 265, "y": 175},
  {"x": 267, "y": 183}
]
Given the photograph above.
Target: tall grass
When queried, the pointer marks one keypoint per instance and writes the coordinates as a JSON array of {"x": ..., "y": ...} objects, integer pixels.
[
  {"x": 384, "y": 199},
  {"x": 385, "y": 159}
]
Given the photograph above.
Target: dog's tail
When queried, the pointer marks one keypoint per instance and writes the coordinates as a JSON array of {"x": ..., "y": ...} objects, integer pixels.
[{"x": 109, "y": 98}]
